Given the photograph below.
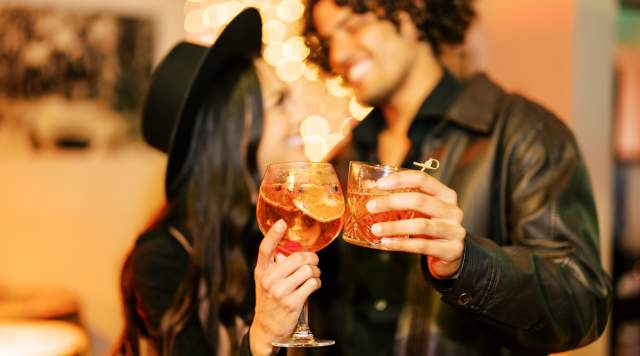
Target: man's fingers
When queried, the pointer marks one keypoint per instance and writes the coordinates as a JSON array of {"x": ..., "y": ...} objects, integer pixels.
[
  {"x": 434, "y": 228},
  {"x": 420, "y": 202},
  {"x": 270, "y": 243},
  {"x": 419, "y": 180},
  {"x": 445, "y": 250}
]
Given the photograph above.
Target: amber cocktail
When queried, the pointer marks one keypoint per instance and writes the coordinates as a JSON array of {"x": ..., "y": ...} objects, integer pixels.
[
  {"x": 308, "y": 197},
  {"x": 362, "y": 187}
]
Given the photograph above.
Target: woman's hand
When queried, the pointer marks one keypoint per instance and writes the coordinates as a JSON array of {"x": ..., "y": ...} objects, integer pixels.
[{"x": 283, "y": 284}]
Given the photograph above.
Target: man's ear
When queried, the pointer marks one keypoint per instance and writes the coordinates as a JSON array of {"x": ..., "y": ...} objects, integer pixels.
[{"x": 408, "y": 28}]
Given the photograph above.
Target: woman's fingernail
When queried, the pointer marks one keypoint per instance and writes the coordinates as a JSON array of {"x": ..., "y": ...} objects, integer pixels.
[
  {"x": 371, "y": 206},
  {"x": 376, "y": 229},
  {"x": 280, "y": 226},
  {"x": 384, "y": 241}
]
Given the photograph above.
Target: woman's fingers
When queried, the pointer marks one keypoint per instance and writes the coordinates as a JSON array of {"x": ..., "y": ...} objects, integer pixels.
[
  {"x": 269, "y": 244},
  {"x": 288, "y": 266},
  {"x": 297, "y": 299},
  {"x": 285, "y": 287}
]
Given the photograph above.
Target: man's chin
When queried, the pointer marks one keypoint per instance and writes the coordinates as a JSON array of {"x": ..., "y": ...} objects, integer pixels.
[{"x": 368, "y": 99}]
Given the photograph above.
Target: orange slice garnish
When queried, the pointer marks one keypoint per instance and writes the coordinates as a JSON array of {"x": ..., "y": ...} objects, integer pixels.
[
  {"x": 322, "y": 203},
  {"x": 278, "y": 196}
]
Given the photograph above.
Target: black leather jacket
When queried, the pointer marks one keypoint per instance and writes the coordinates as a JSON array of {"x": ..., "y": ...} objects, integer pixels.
[{"x": 531, "y": 281}]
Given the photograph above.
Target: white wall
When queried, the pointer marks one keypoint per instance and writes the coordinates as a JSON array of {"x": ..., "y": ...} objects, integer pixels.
[{"x": 592, "y": 116}]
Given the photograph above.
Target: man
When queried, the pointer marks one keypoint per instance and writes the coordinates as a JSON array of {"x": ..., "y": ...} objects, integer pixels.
[{"x": 507, "y": 262}]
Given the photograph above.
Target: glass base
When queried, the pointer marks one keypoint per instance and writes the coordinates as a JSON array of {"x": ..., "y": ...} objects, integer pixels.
[
  {"x": 303, "y": 338},
  {"x": 312, "y": 342},
  {"x": 362, "y": 243}
]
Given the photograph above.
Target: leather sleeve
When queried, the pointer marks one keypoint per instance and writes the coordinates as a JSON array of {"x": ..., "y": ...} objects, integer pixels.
[{"x": 539, "y": 284}]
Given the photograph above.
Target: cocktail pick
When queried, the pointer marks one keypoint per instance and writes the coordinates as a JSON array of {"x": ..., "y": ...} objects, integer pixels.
[{"x": 431, "y": 164}]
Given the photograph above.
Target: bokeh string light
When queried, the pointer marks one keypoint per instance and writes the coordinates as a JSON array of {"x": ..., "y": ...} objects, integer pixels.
[
  {"x": 290, "y": 10},
  {"x": 336, "y": 87},
  {"x": 357, "y": 110},
  {"x": 311, "y": 72},
  {"x": 216, "y": 16},
  {"x": 295, "y": 49},
  {"x": 315, "y": 125},
  {"x": 193, "y": 23},
  {"x": 290, "y": 71},
  {"x": 274, "y": 54},
  {"x": 315, "y": 147},
  {"x": 273, "y": 31},
  {"x": 286, "y": 51}
]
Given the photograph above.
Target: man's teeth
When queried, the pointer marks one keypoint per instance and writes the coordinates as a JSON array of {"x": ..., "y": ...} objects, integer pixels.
[{"x": 359, "y": 70}]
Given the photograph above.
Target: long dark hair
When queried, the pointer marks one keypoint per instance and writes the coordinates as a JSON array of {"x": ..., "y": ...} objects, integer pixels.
[{"x": 214, "y": 204}]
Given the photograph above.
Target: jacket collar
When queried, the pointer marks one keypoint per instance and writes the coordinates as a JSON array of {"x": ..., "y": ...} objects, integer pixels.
[
  {"x": 475, "y": 106},
  {"x": 441, "y": 98},
  {"x": 470, "y": 104}
]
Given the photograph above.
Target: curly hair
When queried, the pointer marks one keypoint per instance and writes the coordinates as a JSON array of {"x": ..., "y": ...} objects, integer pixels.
[{"x": 439, "y": 22}]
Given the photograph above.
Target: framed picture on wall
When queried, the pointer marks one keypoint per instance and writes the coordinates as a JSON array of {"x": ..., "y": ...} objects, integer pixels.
[{"x": 72, "y": 79}]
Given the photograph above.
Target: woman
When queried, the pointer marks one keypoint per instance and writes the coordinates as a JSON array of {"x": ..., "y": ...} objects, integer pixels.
[{"x": 186, "y": 284}]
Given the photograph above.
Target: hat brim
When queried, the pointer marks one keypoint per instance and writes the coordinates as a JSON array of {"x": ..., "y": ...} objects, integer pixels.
[{"x": 241, "y": 38}]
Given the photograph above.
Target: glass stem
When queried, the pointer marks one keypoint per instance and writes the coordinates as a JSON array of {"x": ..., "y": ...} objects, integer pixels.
[{"x": 302, "y": 329}]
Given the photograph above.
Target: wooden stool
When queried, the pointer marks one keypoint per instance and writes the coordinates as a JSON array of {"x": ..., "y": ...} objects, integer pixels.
[
  {"x": 38, "y": 303},
  {"x": 40, "y": 338}
]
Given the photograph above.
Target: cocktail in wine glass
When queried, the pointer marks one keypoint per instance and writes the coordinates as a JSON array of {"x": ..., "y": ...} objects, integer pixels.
[{"x": 308, "y": 197}]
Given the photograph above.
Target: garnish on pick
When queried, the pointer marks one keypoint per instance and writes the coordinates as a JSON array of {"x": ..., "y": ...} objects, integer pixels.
[{"x": 431, "y": 164}]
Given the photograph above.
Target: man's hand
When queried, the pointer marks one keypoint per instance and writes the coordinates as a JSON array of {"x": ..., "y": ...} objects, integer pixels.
[
  {"x": 439, "y": 234},
  {"x": 283, "y": 284}
]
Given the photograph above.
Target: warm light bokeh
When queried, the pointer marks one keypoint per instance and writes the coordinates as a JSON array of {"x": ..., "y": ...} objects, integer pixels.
[
  {"x": 295, "y": 50},
  {"x": 285, "y": 50},
  {"x": 193, "y": 23},
  {"x": 273, "y": 31},
  {"x": 290, "y": 72},
  {"x": 357, "y": 110},
  {"x": 290, "y": 10},
  {"x": 274, "y": 54},
  {"x": 315, "y": 125},
  {"x": 336, "y": 87}
]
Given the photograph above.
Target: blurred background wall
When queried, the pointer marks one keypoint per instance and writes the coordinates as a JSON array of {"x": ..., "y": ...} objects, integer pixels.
[
  {"x": 561, "y": 54},
  {"x": 68, "y": 218},
  {"x": 626, "y": 134},
  {"x": 167, "y": 15}
]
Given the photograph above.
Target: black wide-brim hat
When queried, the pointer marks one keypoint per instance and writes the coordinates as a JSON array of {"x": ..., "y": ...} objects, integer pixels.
[{"x": 179, "y": 83}]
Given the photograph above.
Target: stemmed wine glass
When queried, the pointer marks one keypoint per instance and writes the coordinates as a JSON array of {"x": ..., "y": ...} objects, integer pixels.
[{"x": 308, "y": 197}]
